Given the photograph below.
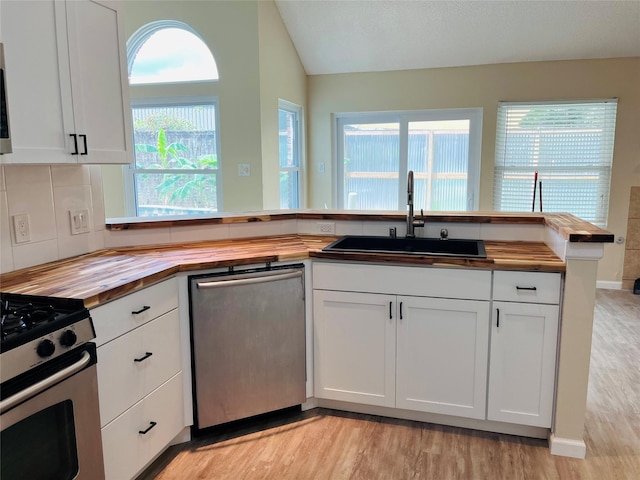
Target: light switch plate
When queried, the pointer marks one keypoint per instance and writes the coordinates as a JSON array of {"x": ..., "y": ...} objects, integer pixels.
[{"x": 79, "y": 221}]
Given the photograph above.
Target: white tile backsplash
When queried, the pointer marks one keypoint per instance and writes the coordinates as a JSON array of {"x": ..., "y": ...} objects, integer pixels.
[
  {"x": 47, "y": 193},
  {"x": 35, "y": 253},
  {"x": 523, "y": 233},
  {"x": 67, "y": 175},
  {"x": 128, "y": 238},
  {"x": 97, "y": 197},
  {"x": 254, "y": 229},
  {"x": 30, "y": 191},
  {"x": 456, "y": 230},
  {"x": 199, "y": 233},
  {"x": 6, "y": 252}
]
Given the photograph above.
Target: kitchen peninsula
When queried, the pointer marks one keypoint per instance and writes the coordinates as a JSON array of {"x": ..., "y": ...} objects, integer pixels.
[{"x": 142, "y": 253}]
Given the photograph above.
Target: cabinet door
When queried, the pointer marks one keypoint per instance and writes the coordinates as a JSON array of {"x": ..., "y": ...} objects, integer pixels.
[
  {"x": 66, "y": 76},
  {"x": 442, "y": 356},
  {"x": 354, "y": 354},
  {"x": 33, "y": 60},
  {"x": 97, "y": 59},
  {"x": 523, "y": 358}
]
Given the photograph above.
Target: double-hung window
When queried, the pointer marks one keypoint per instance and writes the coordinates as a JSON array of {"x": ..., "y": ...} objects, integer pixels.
[
  {"x": 176, "y": 165},
  {"x": 375, "y": 152},
  {"x": 290, "y": 154},
  {"x": 570, "y": 146}
]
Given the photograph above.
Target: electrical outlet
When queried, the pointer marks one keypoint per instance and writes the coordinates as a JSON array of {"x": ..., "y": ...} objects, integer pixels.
[
  {"x": 21, "y": 227},
  {"x": 79, "y": 221},
  {"x": 244, "y": 170},
  {"x": 328, "y": 228}
]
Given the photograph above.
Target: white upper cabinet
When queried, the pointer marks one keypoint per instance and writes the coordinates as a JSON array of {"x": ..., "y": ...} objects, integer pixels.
[{"x": 66, "y": 82}]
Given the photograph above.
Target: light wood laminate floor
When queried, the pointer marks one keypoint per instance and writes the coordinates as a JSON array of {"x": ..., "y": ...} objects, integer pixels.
[{"x": 326, "y": 444}]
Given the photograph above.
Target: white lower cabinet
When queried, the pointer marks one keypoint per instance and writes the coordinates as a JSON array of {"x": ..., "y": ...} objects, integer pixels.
[
  {"x": 523, "y": 361},
  {"x": 467, "y": 343},
  {"x": 442, "y": 356},
  {"x": 416, "y": 353},
  {"x": 355, "y": 347},
  {"x": 140, "y": 384},
  {"x": 144, "y": 430}
]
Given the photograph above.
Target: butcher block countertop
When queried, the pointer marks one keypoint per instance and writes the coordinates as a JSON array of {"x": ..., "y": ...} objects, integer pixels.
[
  {"x": 568, "y": 226},
  {"x": 108, "y": 274}
]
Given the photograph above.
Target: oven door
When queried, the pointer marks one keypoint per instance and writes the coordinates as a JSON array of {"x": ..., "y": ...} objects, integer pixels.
[{"x": 50, "y": 422}]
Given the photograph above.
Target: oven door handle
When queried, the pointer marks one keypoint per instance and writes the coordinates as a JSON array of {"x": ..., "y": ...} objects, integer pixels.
[{"x": 46, "y": 383}]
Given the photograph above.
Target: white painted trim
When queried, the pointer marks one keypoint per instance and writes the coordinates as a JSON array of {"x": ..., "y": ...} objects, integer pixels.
[
  {"x": 585, "y": 250},
  {"x": 566, "y": 447},
  {"x": 310, "y": 404},
  {"x": 609, "y": 285}
]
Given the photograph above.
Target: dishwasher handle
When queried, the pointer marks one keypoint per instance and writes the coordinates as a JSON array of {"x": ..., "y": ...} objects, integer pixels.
[{"x": 249, "y": 280}]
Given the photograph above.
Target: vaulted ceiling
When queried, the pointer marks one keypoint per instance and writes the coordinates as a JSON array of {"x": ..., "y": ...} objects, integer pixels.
[{"x": 339, "y": 36}]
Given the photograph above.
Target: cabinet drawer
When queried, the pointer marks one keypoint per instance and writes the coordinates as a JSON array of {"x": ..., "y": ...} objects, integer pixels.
[
  {"x": 419, "y": 281},
  {"x": 529, "y": 287},
  {"x": 123, "y": 381},
  {"x": 117, "y": 318},
  {"x": 125, "y": 450}
]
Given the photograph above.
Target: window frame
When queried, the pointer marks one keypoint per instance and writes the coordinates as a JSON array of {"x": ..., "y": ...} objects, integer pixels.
[
  {"x": 404, "y": 117},
  {"x": 130, "y": 171},
  {"x": 299, "y": 147},
  {"x": 604, "y": 169},
  {"x": 139, "y": 38}
]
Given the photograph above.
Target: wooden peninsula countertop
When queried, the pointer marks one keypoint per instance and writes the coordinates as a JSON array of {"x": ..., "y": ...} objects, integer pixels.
[
  {"x": 569, "y": 227},
  {"x": 107, "y": 274}
]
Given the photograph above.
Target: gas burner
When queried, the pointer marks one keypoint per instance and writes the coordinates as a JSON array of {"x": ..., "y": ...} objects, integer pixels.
[
  {"x": 36, "y": 329},
  {"x": 16, "y": 319}
]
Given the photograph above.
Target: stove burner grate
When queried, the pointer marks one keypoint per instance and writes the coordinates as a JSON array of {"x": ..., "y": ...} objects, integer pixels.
[{"x": 17, "y": 319}]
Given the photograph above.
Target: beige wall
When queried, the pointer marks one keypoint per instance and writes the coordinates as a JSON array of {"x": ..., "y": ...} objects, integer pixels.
[
  {"x": 230, "y": 30},
  {"x": 258, "y": 64},
  {"x": 281, "y": 77},
  {"x": 484, "y": 86}
]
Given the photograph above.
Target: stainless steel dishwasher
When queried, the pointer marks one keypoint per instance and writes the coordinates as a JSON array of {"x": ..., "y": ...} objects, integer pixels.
[{"x": 248, "y": 343}]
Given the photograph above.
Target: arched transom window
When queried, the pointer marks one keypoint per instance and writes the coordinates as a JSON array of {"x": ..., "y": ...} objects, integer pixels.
[{"x": 169, "y": 51}]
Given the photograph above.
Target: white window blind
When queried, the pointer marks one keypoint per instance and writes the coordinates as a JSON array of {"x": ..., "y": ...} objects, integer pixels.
[{"x": 569, "y": 144}]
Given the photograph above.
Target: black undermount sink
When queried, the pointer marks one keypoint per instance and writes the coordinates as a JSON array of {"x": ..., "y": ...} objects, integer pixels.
[{"x": 409, "y": 246}]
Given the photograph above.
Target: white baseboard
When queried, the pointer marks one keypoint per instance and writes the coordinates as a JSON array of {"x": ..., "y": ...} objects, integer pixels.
[
  {"x": 309, "y": 404},
  {"x": 609, "y": 285},
  {"x": 566, "y": 447}
]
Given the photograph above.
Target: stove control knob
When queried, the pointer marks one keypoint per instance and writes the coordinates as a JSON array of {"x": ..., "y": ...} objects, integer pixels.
[
  {"x": 46, "y": 348},
  {"x": 68, "y": 338}
]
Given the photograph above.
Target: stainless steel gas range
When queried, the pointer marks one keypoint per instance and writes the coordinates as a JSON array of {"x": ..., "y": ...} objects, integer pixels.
[{"x": 49, "y": 415}]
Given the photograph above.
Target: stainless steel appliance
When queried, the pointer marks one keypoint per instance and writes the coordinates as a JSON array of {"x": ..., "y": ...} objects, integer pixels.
[
  {"x": 5, "y": 131},
  {"x": 49, "y": 416},
  {"x": 248, "y": 335}
]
